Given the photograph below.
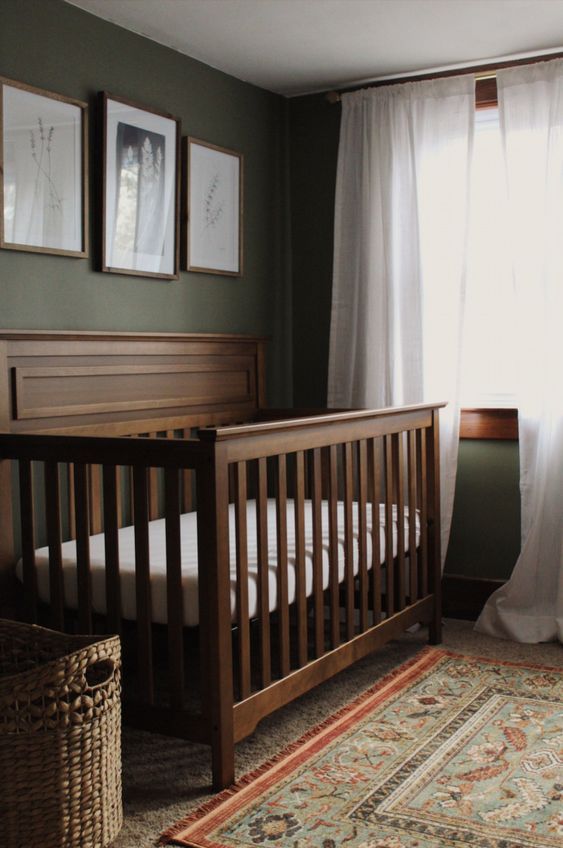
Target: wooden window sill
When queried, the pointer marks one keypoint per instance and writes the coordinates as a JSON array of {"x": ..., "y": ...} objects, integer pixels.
[{"x": 489, "y": 424}]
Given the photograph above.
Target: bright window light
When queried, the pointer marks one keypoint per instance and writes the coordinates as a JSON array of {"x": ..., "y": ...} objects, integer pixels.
[{"x": 489, "y": 358}]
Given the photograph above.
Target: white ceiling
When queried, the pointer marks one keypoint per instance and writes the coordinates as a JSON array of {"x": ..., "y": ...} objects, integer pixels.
[{"x": 300, "y": 46}]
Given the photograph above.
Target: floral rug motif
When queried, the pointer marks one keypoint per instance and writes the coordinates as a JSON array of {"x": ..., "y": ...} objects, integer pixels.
[{"x": 446, "y": 751}]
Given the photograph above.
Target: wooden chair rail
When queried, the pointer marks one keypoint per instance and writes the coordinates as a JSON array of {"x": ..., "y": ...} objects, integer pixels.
[{"x": 489, "y": 424}]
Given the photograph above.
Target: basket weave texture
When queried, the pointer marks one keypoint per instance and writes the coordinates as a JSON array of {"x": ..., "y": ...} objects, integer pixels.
[{"x": 60, "y": 738}]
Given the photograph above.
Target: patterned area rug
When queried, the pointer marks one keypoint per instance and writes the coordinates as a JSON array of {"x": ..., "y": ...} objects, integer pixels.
[{"x": 446, "y": 751}]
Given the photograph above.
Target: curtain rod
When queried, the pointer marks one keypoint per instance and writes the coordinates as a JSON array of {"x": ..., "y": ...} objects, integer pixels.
[{"x": 480, "y": 72}]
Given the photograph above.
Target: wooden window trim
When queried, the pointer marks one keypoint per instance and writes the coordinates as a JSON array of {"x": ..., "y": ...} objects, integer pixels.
[{"x": 489, "y": 424}]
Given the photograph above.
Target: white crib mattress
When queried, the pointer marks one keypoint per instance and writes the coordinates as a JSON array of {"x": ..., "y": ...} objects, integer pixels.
[{"x": 188, "y": 533}]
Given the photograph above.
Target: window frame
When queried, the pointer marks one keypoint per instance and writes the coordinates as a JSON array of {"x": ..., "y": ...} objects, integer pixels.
[{"x": 488, "y": 422}]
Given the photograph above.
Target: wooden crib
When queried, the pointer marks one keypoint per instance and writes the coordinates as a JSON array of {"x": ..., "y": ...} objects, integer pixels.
[{"x": 317, "y": 534}]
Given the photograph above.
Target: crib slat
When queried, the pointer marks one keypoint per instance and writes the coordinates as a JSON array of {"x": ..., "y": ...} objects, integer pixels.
[
  {"x": 281, "y": 537},
  {"x": 187, "y": 497},
  {"x": 362, "y": 533},
  {"x": 83, "y": 574},
  {"x": 389, "y": 569},
  {"x": 301, "y": 599},
  {"x": 53, "y": 517},
  {"x": 398, "y": 473},
  {"x": 174, "y": 594},
  {"x": 334, "y": 589},
  {"x": 28, "y": 539},
  {"x": 187, "y": 478},
  {"x": 375, "y": 473},
  {"x": 153, "y": 488},
  {"x": 413, "y": 582},
  {"x": 142, "y": 583},
  {"x": 318, "y": 601},
  {"x": 423, "y": 501},
  {"x": 349, "y": 539},
  {"x": 71, "y": 505},
  {"x": 119, "y": 505},
  {"x": 95, "y": 500},
  {"x": 243, "y": 622},
  {"x": 111, "y": 479},
  {"x": 131, "y": 491},
  {"x": 263, "y": 576}
]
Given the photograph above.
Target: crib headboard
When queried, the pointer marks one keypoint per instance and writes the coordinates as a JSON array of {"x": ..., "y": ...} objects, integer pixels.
[
  {"x": 113, "y": 384},
  {"x": 100, "y": 382}
]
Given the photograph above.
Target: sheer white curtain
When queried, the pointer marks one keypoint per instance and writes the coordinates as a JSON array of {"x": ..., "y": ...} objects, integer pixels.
[
  {"x": 400, "y": 237},
  {"x": 529, "y": 608}
]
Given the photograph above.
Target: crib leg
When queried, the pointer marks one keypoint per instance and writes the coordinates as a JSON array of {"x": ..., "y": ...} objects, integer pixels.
[
  {"x": 435, "y": 631},
  {"x": 223, "y": 764},
  {"x": 435, "y": 624},
  {"x": 215, "y": 598}
]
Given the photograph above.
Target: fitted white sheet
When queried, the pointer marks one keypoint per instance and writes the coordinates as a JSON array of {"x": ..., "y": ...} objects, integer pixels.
[{"x": 188, "y": 533}]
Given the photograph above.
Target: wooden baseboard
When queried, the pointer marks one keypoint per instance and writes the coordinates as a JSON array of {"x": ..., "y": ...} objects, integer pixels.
[{"x": 465, "y": 597}]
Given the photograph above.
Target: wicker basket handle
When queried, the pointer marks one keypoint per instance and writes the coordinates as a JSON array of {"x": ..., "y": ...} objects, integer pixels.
[{"x": 100, "y": 673}]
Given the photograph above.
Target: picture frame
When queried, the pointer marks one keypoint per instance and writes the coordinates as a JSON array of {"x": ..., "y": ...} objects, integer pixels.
[
  {"x": 213, "y": 208},
  {"x": 140, "y": 190},
  {"x": 43, "y": 171}
]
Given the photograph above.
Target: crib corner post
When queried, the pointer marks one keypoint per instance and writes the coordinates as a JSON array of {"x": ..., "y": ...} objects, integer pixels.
[
  {"x": 215, "y": 604},
  {"x": 7, "y": 553},
  {"x": 434, "y": 537}
]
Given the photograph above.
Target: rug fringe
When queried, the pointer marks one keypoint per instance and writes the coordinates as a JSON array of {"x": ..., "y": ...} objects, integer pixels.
[{"x": 209, "y": 806}]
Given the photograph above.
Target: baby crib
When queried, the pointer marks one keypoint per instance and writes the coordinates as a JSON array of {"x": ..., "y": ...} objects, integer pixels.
[{"x": 247, "y": 555}]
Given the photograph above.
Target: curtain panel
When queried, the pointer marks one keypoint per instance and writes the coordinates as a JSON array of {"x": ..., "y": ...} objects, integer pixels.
[
  {"x": 401, "y": 219},
  {"x": 529, "y": 608}
]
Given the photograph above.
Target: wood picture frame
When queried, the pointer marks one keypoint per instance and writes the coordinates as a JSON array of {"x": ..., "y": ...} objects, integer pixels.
[
  {"x": 43, "y": 171},
  {"x": 140, "y": 190},
  {"x": 213, "y": 208}
]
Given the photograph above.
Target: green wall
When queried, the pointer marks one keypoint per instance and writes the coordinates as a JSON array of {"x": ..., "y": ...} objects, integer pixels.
[
  {"x": 485, "y": 534},
  {"x": 290, "y": 150},
  {"x": 314, "y": 129},
  {"x": 485, "y": 537},
  {"x": 53, "y": 45}
]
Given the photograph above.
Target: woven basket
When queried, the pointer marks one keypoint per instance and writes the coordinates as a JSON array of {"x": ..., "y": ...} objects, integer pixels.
[{"x": 60, "y": 743}]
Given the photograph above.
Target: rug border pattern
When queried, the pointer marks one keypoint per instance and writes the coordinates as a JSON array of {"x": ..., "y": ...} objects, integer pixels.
[{"x": 251, "y": 785}]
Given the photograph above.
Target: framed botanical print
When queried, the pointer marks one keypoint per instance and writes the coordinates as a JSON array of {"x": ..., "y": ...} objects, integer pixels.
[
  {"x": 213, "y": 233},
  {"x": 140, "y": 190},
  {"x": 43, "y": 171}
]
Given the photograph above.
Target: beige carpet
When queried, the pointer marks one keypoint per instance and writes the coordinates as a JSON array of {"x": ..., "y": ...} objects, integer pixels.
[{"x": 164, "y": 778}]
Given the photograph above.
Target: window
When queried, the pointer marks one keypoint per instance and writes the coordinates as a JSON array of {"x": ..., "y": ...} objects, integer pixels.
[{"x": 489, "y": 339}]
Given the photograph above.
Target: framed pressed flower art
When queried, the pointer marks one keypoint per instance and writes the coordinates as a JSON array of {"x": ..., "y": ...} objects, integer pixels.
[
  {"x": 43, "y": 171},
  {"x": 140, "y": 190},
  {"x": 212, "y": 237}
]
